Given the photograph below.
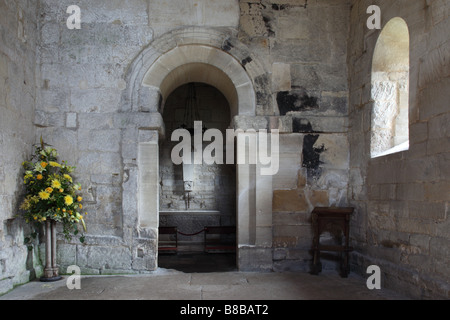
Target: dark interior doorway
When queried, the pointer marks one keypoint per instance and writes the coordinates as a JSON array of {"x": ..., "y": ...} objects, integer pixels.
[{"x": 212, "y": 201}]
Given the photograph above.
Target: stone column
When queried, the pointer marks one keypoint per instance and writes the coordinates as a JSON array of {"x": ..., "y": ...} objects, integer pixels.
[
  {"x": 51, "y": 270},
  {"x": 254, "y": 210},
  {"x": 145, "y": 246}
]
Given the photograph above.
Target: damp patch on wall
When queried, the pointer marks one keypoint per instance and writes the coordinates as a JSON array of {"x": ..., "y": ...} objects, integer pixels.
[
  {"x": 311, "y": 155},
  {"x": 227, "y": 46},
  {"x": 295, "y": 101},
  {"x": 301, "y": 125},
  {"x": 262, "y": 88}
]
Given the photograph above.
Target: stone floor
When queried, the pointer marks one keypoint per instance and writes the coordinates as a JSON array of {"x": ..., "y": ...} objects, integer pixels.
[
  {"x": 202, "y": 282},
  {"x": 198, "y": 262}
]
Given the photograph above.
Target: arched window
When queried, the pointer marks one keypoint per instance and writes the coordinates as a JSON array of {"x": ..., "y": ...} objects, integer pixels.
[{"x": 390, "y": 90}]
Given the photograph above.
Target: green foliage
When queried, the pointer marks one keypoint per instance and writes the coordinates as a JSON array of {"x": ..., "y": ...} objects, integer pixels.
[{"x": 51, "y": 193}]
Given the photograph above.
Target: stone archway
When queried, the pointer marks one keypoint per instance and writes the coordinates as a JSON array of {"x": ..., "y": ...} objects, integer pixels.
[
  {"x": 200, "y": 63},
  {"x": 190, "y": 55}
]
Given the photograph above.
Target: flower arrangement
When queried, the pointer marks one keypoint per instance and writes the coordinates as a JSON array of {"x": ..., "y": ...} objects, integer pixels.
[{"x": 51, "y": 193}]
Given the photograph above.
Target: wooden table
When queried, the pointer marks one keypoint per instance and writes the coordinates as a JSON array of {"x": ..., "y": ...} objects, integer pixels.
[{"x": 322, "y": 219}]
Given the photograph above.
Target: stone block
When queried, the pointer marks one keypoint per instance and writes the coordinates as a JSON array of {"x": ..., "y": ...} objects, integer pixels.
[
  {"x": 253, "y": 25},
  {"x": 440, "y": 247},
  {"x": 71, "y": 120},
  {"x": 6, "y": 285},
  {"x": 431, "y": 96},
  {"x": 290, "y": 218},
  {"x": 437, "y": 191},
  {"x": 336, "y": 151},
  {"x": 104, "y": 258},
  {"x": 263, "y": 236},
  {"x": 291, "y": 266},
  {"x": 318, "y": 198},
  {"x": 145, "y": 254},
  {"x": 438, "y": 127},
  {"x": 284, "y": 242},
  {"x": 301, "y": 51},
  {"x": 289, "y": 200},
  {"x": 279, "y": 254},
  {"x": 281, "y": 77},
  {"x": 255, "y": 259},
  {"x": 99, "y": 162},
  {"x": 54, "y": 100},
  {"x": 295, "y": 27},
  {"x": 410, "y": 191},
  {"x": 215, "y": 13},
  {"x": 66, "y": 255},
  {"x": 104, "y": 140},
  {"x": 95, "y": 100},
  {"x": 45, "y": 119}
]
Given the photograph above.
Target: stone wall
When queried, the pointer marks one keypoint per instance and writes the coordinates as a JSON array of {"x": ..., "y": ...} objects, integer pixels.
[
  {"x": 303, "y": 44},
  {"x": 18, "y": 46},
  {"x": 402, "y": 199},
  {"x": 302, "y": 67},
  {"x": 78, "y": 112},
  {"x": 293, "y": 53},
  {"x": 100, "y": 93}
]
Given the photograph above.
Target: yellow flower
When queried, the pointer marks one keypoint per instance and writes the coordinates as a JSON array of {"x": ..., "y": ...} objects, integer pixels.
[
  {"x": 61, "y": 190},
  {"x": 26, "y": 205},
  {"x": 79, "y": 199},
  {"x": 68, "y": 200},
  {"x": 44, "y": 195},
  {"x": 68, "y": 177},
  {"x": 56, "y": 184},
  {"x": 27, "y": 176},
  {"x": 49, "y": 190},
  {"x": 54, "y": 164},
  {"x": 39, "y": 177},
  {"x": 44, "y": 164},
  {"x": 80, "y": 206}
]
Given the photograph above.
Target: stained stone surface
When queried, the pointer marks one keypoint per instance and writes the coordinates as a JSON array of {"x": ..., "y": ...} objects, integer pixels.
[{"x": 98, "y": 94}]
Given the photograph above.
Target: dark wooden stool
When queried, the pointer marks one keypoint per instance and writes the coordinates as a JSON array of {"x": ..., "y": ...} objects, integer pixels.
[{"x": 322, "y": 219}]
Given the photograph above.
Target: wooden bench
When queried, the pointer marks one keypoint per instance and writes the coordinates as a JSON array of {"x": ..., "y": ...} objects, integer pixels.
[
  {"x": 170, "y": 243},
  {"x": 215, "y": 242}
]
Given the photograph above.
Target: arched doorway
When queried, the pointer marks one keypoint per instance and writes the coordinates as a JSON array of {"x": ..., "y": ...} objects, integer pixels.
[
  {"x": 211, "y": 199},
  {"x": 201, "y": 55}
]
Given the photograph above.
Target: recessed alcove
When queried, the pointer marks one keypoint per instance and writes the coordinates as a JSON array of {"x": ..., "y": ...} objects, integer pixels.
[
  {"x": 212, "y": 201},
  {"x": 390, "y": 90}
]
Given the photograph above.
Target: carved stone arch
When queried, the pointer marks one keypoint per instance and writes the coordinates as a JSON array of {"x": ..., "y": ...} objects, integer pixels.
[
  {"x": 194, "y": 54},
  {"x": 216, "y": 48}
]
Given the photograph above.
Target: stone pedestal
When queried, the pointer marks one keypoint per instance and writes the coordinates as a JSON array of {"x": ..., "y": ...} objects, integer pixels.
[{"x": 51, "y": 270}]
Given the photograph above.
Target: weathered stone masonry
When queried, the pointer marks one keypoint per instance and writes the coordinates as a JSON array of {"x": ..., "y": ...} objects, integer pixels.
[{"x": 98, "y": 95}]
